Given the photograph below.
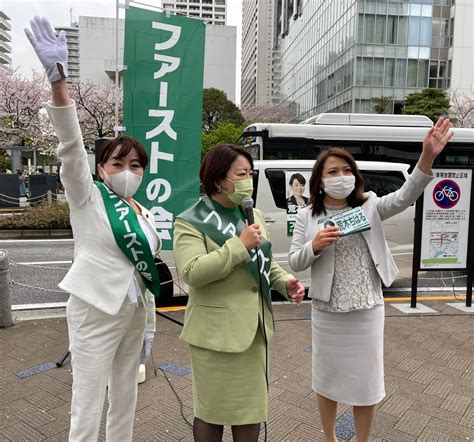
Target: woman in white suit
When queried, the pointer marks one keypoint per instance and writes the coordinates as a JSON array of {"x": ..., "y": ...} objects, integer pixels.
[
  {"x": 110, "y": 312},
  {"x": 346, "y": 276}
]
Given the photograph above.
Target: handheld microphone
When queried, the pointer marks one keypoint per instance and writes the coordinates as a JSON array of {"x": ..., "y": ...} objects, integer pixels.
[{"x": 247, "y": 205}]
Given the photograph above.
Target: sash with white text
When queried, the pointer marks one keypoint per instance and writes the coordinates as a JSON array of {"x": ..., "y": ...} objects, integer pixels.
[
  {"x": 130, "y": 237},
  {"x": 219, "y": 224}
]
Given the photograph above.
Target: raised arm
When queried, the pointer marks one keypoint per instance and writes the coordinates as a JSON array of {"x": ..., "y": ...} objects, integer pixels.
[
  {"x": 52, "y": 52},
  {"x": 59, "y": 91},
  {"x": 433, "y": 144}
]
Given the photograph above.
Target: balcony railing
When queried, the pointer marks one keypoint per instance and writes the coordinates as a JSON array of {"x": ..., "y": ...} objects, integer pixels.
[
  {"x": 5, "y": 24},
  {"x": 5, "y": 36},
  {"x": 5, "y": 47},
  {"x": 5, "y": 59}
]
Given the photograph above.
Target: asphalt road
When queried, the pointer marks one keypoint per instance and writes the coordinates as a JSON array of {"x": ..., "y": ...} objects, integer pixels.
[
  {"x": 37, "y": 266},
  {"x": 40, "y": 265}
]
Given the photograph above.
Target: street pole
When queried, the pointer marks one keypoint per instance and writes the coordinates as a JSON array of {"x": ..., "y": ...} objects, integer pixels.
[
  {"x": 116, "y": 68},
  {"x": 5, "y": 303}
]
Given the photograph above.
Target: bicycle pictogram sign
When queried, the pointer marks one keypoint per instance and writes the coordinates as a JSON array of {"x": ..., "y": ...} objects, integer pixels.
[{"x": 446, "y": 194}]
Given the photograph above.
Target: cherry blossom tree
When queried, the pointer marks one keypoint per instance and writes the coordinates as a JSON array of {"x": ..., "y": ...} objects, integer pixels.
[
  {"x": 22, "y": 123},
  {"x": 461, "y": 111},
  {"x": 267, "y": 114},
  {"x": 96, "y": 109}
]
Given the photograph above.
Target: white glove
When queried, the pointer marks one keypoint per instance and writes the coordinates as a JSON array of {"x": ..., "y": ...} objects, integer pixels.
[
  {"x": 49, "y": 49},
  {"x": 147, "y": 345}
]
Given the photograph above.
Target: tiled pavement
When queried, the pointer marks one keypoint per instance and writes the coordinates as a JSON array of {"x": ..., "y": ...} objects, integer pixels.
[{"x": 429, "y": 373}]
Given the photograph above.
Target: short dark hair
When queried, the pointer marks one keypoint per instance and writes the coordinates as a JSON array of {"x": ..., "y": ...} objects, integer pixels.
[
  {"x": 216, "y": 164},
  {"x": 127, "y": 144},
  {"x": 316, "y": 199},
  {"x": 297, "y": 176}
]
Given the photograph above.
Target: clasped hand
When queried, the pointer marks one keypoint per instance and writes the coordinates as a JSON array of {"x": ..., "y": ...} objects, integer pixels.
[{"x": 295, "y": 290}]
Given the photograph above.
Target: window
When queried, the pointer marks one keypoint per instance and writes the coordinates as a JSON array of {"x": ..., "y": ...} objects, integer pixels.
[
  {"x": 425, "y": 32},
  {"x": 400, "y": 72},
  {"x": 276, "y": 179},
  {"x": 369, "y": 34},
  {"x": 380, "y": 29},
  {"x": 389, "y": 72},
  {"x": 378, "y": 72},
  {"x": 414, "y": 35},
  {"x": 367, "y": 69},
  {"x": 392, "y": 21},
  {"x": 422, "y": 73},
  {"x": 402, "y": 30},
  {"x": 412, "y": 72},
  {"x": 380, "y": 182}
]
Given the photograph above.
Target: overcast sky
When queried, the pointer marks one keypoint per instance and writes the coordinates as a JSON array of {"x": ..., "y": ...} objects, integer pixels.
[{"x": 59, "y": 13}]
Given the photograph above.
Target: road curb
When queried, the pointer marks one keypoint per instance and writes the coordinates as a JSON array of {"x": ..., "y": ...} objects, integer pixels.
[
  {"x": 35, "y": 234},
  {"x": 31, "y": 315}
]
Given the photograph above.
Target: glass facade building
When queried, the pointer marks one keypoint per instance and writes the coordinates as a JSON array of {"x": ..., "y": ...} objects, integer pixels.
[
  {"x": 256, "y": 78},
  {"x": 336, "y": 56}
]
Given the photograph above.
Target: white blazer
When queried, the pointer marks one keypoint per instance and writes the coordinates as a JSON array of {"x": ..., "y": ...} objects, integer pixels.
[
  {"x": 100, "y": 273},
  {"x": 377, "y": 209}
]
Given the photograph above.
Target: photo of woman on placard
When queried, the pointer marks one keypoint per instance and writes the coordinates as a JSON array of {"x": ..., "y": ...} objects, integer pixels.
[{"x": 297, "y": 200}]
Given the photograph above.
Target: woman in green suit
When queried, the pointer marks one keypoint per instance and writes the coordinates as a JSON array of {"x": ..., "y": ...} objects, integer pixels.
[{"x": 229, "y": 268}]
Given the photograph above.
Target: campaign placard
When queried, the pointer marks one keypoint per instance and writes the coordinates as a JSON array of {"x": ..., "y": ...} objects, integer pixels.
[
  {"x": 350, "y": 222},
  {"x": 297, "y": 195}
]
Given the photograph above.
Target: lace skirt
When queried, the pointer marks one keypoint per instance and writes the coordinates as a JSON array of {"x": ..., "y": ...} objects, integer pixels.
[{"x": 348, "y": 355}]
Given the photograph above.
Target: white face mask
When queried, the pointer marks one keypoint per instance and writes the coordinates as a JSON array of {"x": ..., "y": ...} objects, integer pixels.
[
  {"x": 124, "y": 183},
  {"x": 339, "y": 187}
]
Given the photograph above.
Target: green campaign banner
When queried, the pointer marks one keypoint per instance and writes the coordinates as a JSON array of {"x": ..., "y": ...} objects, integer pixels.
[{"x": 163, "y": 84}]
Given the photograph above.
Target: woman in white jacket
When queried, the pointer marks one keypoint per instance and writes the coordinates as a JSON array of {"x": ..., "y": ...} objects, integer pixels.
[
  {"x": 346, "y": 276},
  {"x": 115, "y": 240}
]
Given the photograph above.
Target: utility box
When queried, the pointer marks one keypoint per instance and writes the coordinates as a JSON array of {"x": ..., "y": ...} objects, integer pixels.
[
  {"x": 9, "y": 190},
  {"x": 39, "y": 186}
]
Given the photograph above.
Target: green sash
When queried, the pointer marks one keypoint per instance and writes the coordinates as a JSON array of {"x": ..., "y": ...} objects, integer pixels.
[
  {"x": 130, "y": 237},
  {"x": 219, "y": 224}
]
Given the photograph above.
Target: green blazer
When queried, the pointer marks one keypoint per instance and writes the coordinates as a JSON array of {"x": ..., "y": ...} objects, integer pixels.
[{"x": 224, "y": 305}]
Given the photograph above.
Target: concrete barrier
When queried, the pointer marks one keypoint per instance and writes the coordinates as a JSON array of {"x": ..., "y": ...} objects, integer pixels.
[{"x": 5, "y": 302}]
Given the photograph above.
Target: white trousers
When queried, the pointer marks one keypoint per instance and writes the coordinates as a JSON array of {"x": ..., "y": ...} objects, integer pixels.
[{"x": 105, "y": 352}]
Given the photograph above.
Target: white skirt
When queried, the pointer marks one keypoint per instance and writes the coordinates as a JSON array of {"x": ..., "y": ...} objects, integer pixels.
[{"x": 348, "y": 355}]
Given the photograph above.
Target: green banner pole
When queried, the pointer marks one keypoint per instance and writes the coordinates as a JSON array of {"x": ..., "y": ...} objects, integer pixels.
[{"x": 163, "y": 86}]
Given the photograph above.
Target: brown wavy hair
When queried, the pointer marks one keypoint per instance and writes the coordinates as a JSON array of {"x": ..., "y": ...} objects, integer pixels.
[{"x": 316, "y": 199}]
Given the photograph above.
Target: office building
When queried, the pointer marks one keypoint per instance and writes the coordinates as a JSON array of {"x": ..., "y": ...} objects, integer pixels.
[
  {"x": 97, "y": 58},
  {"x": 97, "y": 55},
  {"x": 5, "y": 41},
  {"x": 220, "y": 58},
  {"x": 336, "y": 56},
  {"x": 212, "y": 11},
  {"x": 257, "y": 53},
  {"x": 72, "y": 37}
]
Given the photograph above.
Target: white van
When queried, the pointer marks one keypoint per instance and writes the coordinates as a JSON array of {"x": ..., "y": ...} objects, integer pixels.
[{"x": 271, "y": 193}]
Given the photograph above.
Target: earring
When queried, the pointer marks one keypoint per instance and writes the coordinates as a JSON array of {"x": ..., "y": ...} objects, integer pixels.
[
  {"x": 321, "y": 191},
  {"x": 219, "y": 190}
]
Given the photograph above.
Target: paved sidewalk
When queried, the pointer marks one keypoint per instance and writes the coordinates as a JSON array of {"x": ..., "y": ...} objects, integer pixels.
[{"x": 429, "y": 373}]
